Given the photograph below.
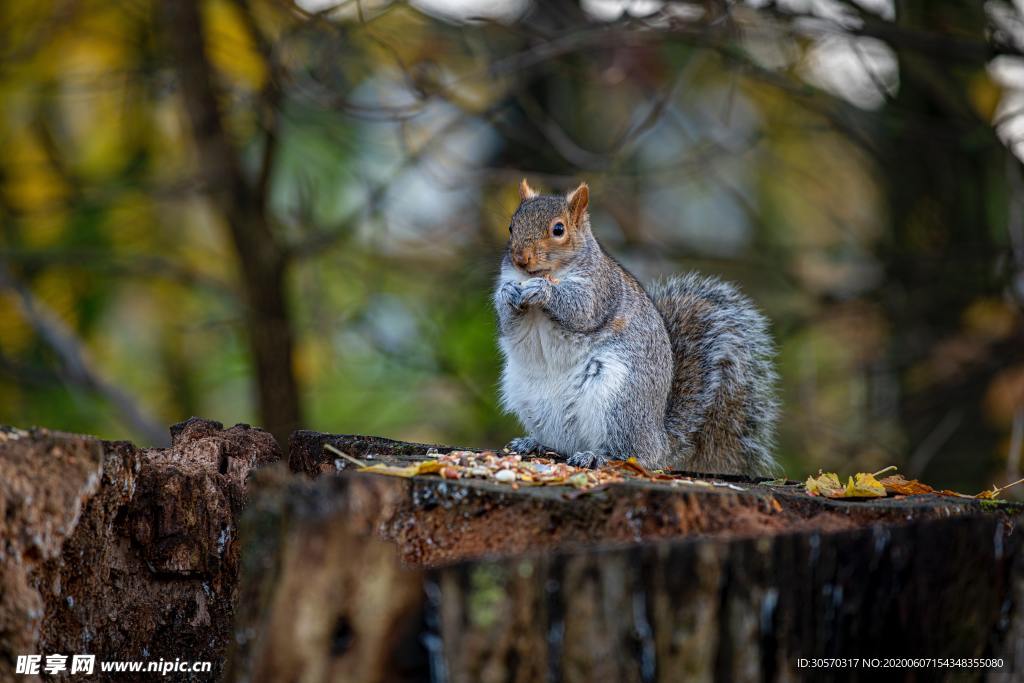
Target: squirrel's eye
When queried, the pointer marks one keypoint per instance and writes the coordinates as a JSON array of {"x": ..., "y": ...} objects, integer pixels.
[
  {"x": 558, "y": 229},
  {"x": 510, "y": 229}
]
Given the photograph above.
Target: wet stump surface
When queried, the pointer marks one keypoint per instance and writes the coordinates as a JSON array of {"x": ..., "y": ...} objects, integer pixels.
[{"x": 364, "y": 577}]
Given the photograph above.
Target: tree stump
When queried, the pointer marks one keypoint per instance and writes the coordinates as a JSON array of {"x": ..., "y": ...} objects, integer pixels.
[
  {"x": 133, "y": 554},
  {"x": 363, "y": 577},
  {"x": 124, "y": 553}
]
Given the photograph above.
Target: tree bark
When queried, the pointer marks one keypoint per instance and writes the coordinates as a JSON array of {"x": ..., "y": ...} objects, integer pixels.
[
  {"x": 356, "y": 576},
  {"x": 123, "y": 553}
]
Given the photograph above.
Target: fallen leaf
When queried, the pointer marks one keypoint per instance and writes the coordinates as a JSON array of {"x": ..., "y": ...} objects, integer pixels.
[
  {"x": 429, "y": 467},
  {"x": 392, "y": 471},
  {"x": 900, "y": 486},
  {"x": 825, "y": 484},
  {"x": 864, "y": 485},
  {"x": 630, "y": 465}
]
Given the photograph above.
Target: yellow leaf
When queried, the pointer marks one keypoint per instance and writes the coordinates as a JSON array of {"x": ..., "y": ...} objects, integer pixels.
[
  {"x": 864, "y": 485},
  {"x": 825, "y": 484},
  {"x": 392, "y": 471},
  {"x": 429, "y": 467},
  {"x": 424, "y": 467}
]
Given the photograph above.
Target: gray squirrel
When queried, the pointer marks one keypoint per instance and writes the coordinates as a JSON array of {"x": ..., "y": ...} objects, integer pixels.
[{"x": 597, "y": 368}]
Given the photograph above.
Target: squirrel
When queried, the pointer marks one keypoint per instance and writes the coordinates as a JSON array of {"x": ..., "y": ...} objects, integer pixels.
[{"x": 598, "y": 368}]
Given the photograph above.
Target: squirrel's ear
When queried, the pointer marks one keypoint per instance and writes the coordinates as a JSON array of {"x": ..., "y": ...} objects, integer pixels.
[
  {"x": 578, "y": 200},
  {"x": 525, "y": 191}
]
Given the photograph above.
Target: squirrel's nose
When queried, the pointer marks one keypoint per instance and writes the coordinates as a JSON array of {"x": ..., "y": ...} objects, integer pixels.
[{"x": 521, "y": 258}]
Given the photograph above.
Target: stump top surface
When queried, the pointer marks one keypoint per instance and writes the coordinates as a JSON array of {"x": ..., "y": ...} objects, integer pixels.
[
  {"x": 436, "y": 521},
  {"x": 308, "y": 454}
]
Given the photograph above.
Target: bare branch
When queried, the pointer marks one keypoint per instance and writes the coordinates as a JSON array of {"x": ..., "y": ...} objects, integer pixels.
[
  {"x": 326, "y": 238},
  {"x": 132, "y": 264},
  {"x": 77, "y": 367},
  {"x": 271, "y": 97}
]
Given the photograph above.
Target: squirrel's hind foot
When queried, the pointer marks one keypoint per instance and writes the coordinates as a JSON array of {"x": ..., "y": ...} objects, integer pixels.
[
  {"x": 526, "y": 445},
  {"x": 588, "y": 459}
]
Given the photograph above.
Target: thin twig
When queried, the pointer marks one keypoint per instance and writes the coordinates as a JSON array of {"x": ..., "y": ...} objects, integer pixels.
[
  {"x": 346, "y": 456},
  {"x": 997, "y": 490}
]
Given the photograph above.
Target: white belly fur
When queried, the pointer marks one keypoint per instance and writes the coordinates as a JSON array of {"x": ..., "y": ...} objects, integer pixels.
[{"x": 545, "y": 383}]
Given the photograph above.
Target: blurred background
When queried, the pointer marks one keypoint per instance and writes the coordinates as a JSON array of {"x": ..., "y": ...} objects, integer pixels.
[{"x": 291, "y": 214}]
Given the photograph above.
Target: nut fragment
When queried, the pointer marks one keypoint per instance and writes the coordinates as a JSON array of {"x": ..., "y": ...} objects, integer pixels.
[{"x": 505, "y": 476}]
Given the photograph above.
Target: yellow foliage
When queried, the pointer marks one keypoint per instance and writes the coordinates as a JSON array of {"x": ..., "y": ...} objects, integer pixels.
[
  {"x": 94, "y": 48},
  {"x": 30, "y": 183},
  {"x": 130, "y": 222},
  {"x": 44, "y": 229},
  {"x": 230, "y": 46},
  {"x": 99, "y": 125},
  {"x": 15, "y": 332},
  {"x": 22, "y": 22},
  {"x": 170, "y": 139},
  {"x": 59, "y": 290}
]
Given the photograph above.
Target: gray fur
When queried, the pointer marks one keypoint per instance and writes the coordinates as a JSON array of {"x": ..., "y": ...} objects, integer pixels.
[
  {"x": 597, "y": 369},
  {"x": 723, "y": 410}
]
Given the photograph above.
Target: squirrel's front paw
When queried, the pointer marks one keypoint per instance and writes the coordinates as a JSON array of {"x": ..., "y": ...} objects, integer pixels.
[
  {"x": 510, "y": 295},
  {"x": 588, "y": 459},
  {"x": 535, "y": 291},
  {"x": 525, "y": 445}
]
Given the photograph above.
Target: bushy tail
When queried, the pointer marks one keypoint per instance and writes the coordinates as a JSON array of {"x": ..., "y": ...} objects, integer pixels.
[{"x": 722, "y": 408}]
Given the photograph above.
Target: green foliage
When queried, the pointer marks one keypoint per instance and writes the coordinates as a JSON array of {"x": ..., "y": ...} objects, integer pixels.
[{"x": 390, "y": 143}]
